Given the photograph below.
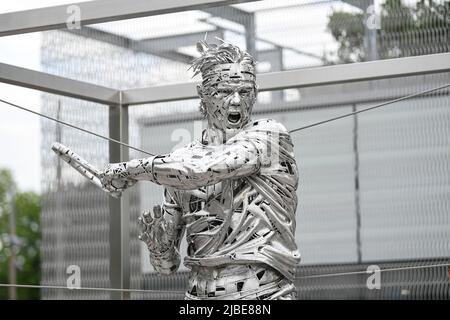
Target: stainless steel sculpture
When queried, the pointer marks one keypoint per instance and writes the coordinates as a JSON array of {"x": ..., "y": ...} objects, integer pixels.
[{"x": 233, "y": 193}]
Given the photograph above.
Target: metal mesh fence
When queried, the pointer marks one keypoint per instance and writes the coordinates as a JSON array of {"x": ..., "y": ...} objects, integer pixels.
[{"x": 75, "y": 213}]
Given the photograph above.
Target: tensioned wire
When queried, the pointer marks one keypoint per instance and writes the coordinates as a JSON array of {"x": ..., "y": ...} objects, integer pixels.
[
  {"x": 75, "y": 127},
  {"x": 290, "y": 131},
  {"x": 178, "y": 292},
  {"x": 371, "y": 108}
]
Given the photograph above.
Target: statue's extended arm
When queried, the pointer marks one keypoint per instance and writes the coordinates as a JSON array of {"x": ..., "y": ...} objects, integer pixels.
[
  {"x": 162, "y": 231},
  {"x": 191, "y": 167}
]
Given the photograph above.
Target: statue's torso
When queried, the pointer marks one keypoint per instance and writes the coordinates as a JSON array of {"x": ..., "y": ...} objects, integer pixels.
[
  {"x": 241, "y": 232},
  {"x": 224, "y": 229}
]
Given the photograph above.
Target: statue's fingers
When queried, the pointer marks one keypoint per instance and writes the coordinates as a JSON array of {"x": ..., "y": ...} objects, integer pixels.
[
  {"x": 108, "y": 188},
  {"x": 147, "y": 217},
  {"x": 131, "y": 182},
  {"x": 113, "y": 191},
  {"x": 116, "y": 194},
  {"x": 143, "y": 237},
  {"x": 119, "y": 184},
  {"x": 141, "y": 223},
  {"x": 157, "y": 212}
]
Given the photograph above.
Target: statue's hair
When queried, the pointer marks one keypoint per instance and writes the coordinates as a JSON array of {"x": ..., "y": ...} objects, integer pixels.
[{"x": 212, "y": 55}]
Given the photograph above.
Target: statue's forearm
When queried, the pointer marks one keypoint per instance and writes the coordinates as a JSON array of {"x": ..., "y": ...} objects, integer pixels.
[{"x": 197, "y": 166}]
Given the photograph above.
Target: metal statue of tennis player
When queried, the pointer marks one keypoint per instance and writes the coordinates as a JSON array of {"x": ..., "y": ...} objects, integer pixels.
[{"x": 233, "y": 193}]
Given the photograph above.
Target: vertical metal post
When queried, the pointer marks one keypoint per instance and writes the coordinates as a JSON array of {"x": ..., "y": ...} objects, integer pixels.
[
  {"x": 370, "y": 33},
  {"x": 275, "y": 58},
  {"x": 250, "y": 35},
  {"x": 59, "y": 218},
  {"x": 12, "y": 247},
  {"x": 119, "y": 264},
  {"x": 357, "y": 194}
]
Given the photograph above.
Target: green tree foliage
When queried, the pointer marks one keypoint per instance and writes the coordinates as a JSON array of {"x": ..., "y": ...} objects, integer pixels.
[
  {"x": 403, "y": 31},
  {"x": 348, "y": 29},
  {"x": 27, "y": 206}
]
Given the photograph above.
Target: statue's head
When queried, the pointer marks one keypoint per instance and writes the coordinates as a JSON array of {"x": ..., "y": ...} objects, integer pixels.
[{"x": 228, "y": 90}]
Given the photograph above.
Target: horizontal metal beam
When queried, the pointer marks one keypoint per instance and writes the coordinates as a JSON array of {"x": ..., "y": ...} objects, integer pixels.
[
  {"x": 124, "y": 42},
  {"x": 363, "y": 71},
  {"x": 272, "y": 43},
  {"x": 58, "y": 85},
  {"x": 171, "y": 92},
  {"x": 277, "y": 107},
  {"x": 170, "y": 43},
  {"x": 361, "y": 4},
  {"x": 308, "y": 77},
  {"x": 231, "y": 13},
  {"x": 338, "y": 99},
  {"x": 98, "y": 12}
]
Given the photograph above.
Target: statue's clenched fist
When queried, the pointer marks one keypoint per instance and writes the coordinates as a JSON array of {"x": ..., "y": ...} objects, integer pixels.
[{"x": 115, "y": 179}]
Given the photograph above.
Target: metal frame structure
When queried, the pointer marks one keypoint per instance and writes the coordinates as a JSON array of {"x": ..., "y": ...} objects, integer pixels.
[
  {"x": 307, "y": 77},
  {"x": 99, "y": 11},
  {"x": 120, "y": 100}
]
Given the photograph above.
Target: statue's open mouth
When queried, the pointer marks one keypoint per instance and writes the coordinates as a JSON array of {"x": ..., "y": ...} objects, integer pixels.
[{"x": 234, "y": 117}]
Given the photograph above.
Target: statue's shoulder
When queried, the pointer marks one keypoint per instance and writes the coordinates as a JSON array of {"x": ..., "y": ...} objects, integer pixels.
[{"x": 267, "y": 125}]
